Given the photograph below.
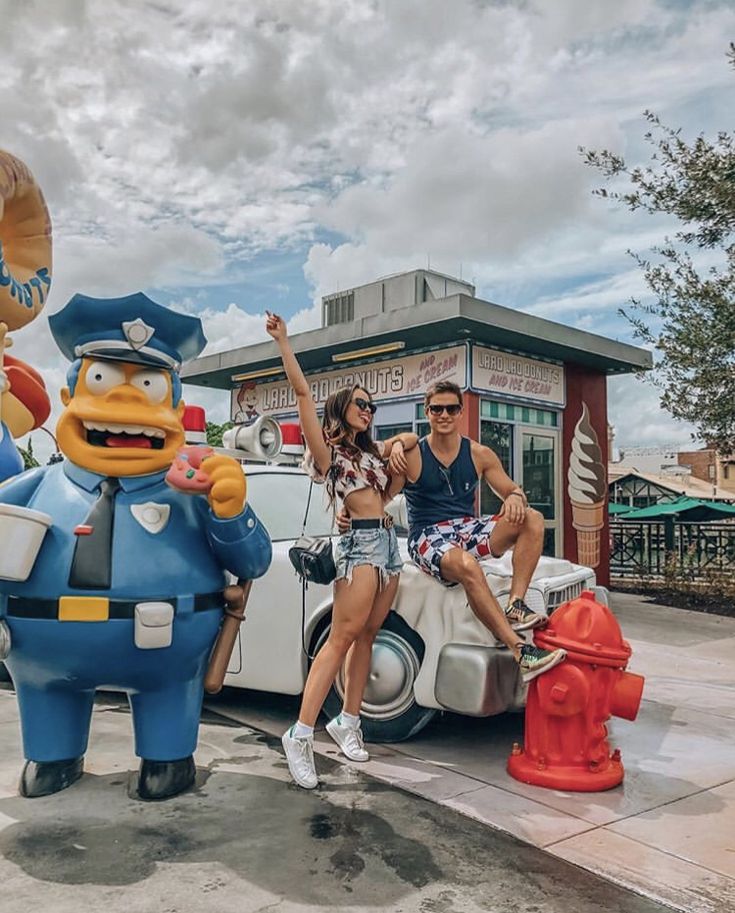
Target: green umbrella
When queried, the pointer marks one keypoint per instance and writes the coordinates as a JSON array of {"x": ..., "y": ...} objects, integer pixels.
[
  {"x": 615, "y": 509},
  {"x": 691, "y": 509}
]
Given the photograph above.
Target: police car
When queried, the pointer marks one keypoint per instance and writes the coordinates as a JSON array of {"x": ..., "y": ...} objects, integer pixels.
[{"x": 432, "y": 654}]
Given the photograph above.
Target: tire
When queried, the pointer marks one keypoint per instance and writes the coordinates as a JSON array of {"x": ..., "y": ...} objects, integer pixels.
[{"x": 389, "y": 710}]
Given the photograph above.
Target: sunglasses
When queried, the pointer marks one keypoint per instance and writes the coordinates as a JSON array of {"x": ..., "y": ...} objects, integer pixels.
[
  {"x": 452, "y": 409},
  {"x": 364, "y": 405}
]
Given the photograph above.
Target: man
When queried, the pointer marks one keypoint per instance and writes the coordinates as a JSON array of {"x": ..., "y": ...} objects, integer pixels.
[
  {"x": 445, "y": 538},
  {"x": 126, "y": 590}
]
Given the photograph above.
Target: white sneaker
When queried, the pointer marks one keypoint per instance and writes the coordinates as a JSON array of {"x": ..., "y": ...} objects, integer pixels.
[
  {"x": 300, "y": 757},
  {"x": 348, "y": 739}
]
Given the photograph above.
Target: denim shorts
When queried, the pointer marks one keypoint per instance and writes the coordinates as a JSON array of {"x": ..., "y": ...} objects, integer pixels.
[{"x": 377, "y": 547}]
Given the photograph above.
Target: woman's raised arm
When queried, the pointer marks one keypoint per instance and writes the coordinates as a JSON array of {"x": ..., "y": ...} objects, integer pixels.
[{"x": 310, "y": 425}]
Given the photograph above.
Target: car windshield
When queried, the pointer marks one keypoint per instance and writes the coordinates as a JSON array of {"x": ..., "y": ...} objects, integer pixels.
[{"x": 279, "y": 500}]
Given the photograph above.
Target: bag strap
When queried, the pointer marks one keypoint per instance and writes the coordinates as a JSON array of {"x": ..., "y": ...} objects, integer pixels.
[
  {"x": 306, "y": 512},
  {"x": 303, "y": 619},
  {"x": 311, "y": 488}
]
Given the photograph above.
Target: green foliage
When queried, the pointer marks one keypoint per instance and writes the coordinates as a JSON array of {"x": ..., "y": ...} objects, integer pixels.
[
  {"x": 215, "y": 432},
  {"x": 29, "y": 460},
  {"x": 691, "y": 316}
]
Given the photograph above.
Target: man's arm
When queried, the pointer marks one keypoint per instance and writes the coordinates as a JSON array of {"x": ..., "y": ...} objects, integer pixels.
[
  {"x": 491, "y": 470},
  {"x": 395, "y": 449}
]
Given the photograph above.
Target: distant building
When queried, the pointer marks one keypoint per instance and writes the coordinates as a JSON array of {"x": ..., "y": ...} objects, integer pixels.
[
  {"x": 628, "y": 485},
  {"x": 709, "y": 466}
]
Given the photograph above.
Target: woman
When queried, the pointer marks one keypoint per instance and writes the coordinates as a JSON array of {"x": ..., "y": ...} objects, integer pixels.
[{"x": 341, "y": 452}]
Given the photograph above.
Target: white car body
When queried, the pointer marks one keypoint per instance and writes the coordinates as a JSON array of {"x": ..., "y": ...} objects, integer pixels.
[{"x": 461, "y": 669}]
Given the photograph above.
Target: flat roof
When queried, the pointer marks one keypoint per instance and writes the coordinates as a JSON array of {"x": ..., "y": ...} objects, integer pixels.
[{"x": 455, "y": 319}]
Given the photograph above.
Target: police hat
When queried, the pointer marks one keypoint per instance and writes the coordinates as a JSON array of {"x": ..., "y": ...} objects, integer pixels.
[{"x": 132, "y": 328}]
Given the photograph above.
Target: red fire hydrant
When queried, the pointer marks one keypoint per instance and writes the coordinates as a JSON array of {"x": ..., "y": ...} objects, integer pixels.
[{"x": 567, "y": 707}]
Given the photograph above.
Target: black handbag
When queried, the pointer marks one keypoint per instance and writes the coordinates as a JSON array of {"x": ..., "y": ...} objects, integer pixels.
[{"x": 311, "y": 556}]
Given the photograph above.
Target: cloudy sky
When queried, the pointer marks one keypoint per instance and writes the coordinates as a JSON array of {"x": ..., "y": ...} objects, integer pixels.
[{"x": 226, "y": 157}]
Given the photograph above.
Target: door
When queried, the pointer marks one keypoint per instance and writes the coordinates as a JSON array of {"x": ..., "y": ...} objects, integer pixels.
[{"x": 538, "y": 468}]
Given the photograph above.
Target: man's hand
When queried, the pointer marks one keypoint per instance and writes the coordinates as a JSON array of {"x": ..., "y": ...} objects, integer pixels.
[
  {"x": 397, "y": 459},
  {"x": 514, "y": 508},
  {"x": 343, "y": 522},
  {"x": 229, "y": 489},
  {"x": 4, "y": 382}
]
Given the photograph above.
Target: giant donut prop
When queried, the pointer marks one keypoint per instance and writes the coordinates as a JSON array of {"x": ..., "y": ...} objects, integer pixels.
[{"x": 25, "y": 244}]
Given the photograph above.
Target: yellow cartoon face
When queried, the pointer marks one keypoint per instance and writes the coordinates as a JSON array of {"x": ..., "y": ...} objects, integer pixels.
[{"x": 120, "y": 420}]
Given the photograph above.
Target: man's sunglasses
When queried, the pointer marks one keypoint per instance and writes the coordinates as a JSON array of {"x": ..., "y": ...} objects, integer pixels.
[
  {"x": 452, "y": 409},
  {"x": 364, "y": 405}
]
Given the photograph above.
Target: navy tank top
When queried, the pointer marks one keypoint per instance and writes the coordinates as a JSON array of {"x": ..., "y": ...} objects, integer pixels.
[{"x": 441, "y": 492}]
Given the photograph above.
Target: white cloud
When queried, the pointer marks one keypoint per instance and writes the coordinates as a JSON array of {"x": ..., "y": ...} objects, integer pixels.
[
  {"x": 175, "y": 142},
  {"x": 639, "y": 421}
]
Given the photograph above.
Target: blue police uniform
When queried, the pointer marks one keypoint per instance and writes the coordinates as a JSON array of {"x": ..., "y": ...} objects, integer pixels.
[
  {"x": 167, "y": 547},
  {"x": 56, "y": 665},
  {"x": 11, "y": 462}
]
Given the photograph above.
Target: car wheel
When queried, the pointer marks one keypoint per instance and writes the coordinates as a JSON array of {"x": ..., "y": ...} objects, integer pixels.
[{"x": 389, "y": 710}]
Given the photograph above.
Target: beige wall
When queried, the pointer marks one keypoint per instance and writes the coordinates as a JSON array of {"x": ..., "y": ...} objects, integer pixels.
[{"x": 707, "y": 466}]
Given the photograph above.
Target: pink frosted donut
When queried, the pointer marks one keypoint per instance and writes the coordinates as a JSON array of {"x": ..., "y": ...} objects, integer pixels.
[
  {"x": 186, "y": 474},
  {"x": 25, "y": 244}
]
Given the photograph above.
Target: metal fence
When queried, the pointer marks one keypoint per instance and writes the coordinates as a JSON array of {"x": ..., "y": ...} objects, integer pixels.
[{"x": 649, "y": 549}]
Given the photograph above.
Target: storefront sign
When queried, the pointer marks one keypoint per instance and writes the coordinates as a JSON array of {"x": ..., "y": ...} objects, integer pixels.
[
  {"x": 384, "y": 380},
  {"x": 513, "y": 375}
]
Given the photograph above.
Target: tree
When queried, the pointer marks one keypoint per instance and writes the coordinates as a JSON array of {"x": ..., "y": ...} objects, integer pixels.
[
  {"x": 29, "y": 459},
  {"x": 215, "y": 432},
  {"x": 691, "y": 316}
]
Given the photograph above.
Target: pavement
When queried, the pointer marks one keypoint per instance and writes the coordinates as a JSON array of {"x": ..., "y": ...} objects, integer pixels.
[
  {"x": 434, "y": 825},
  {"x": 667, "y": 832}
]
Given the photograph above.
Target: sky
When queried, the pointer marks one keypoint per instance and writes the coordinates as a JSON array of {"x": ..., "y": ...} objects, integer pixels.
[{"x": 230, "y": 157}]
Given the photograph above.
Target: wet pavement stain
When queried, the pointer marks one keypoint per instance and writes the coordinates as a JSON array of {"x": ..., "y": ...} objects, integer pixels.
[
  {"x": 269, "y": 822},
  {"x": 252, "y": 738},
  {"x": 321, "y": 828}
]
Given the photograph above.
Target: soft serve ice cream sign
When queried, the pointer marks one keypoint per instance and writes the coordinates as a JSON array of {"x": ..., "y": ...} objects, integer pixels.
[{"x": 586, "y": 488}]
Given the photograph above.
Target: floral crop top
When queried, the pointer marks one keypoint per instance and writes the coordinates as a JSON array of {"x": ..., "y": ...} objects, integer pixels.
[{"x": 350, "y": 476}]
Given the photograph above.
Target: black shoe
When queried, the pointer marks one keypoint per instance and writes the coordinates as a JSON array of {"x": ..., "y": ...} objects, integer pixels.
[
  {"x": 535, "y": 661},
  {"x": 522, "y": 618},
  {"x": 163, "y": 779},
  {"x": 44, "y": 778}
]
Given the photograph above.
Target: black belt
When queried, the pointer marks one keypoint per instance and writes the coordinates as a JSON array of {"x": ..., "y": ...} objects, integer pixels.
[
  {"x": 27, "y": 607},
  {"x": 384, "y": 522}
]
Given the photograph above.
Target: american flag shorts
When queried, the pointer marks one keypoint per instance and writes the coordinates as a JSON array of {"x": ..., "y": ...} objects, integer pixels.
[{"x": 469, "y": 533}]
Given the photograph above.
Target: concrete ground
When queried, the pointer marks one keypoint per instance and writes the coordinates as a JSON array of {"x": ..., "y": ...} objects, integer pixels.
[
  {"x": 668, "y": 831},
  {"x": 246, "y": 840},
  {"x": 411, "y": 836}
]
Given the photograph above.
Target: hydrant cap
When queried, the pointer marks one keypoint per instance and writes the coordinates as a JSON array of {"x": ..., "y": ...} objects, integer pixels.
[{"x": 584, "y": 626}]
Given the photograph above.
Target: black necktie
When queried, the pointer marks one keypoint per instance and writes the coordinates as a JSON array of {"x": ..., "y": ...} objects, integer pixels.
[{"x": 91, "y": 566}]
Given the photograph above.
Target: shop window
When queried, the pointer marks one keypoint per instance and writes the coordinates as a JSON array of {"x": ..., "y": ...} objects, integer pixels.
[
  {"x": 385, "y": 431},
  {"x": 528, "y": 415},
  {"x": 499, "y": 438},
  {"x": 539, "y": 473},
  {"x": 549, "y": 542},
  {"x": 420, "y": 425}
]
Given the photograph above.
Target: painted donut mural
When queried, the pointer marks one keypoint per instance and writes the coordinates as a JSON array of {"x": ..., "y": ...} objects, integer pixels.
[
  {"x": 25, "y": 279},
  {"x": 25, "y": 244}
]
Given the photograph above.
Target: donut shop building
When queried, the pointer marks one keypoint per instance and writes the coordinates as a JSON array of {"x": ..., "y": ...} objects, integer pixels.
[{"x": 535, "y": 391}]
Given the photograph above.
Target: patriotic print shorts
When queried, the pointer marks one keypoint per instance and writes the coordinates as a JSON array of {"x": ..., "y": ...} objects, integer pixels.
[{"x": 469, "y": 533}]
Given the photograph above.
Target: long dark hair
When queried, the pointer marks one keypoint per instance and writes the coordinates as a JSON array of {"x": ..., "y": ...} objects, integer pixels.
[{"x": 339, "y": 434}]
